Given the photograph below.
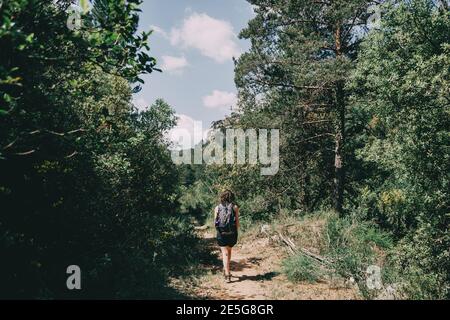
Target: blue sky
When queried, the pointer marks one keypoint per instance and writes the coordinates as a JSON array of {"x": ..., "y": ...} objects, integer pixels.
[{"x": 194, "y": 42}]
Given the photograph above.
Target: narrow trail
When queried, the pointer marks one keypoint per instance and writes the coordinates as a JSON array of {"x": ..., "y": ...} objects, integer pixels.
[{"x": 257, "y": 275}]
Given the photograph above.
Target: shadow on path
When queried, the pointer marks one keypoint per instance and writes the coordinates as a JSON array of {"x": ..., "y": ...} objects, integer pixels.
[{"x": 258, "y": 277}]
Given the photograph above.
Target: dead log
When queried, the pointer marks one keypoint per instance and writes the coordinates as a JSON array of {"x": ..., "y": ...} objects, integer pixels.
[{"x": 294, "y": 249}]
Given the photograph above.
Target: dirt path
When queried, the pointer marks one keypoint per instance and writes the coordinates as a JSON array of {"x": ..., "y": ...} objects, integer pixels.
[{"x": 256, "y": 269}]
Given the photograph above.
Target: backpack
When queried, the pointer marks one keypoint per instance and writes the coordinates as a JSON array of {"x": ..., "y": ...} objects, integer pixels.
[{"x": 226, "y": 219}]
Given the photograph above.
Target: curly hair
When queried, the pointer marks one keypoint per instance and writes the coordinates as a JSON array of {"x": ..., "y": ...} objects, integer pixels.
[{"x": 227, "y": 196}]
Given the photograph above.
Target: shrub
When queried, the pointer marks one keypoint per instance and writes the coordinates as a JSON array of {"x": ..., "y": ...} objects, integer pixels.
[{"x": 302, "y": 268}]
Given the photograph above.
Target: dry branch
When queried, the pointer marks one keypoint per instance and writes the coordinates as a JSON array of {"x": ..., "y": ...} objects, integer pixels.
[
  {"x": 201, "y": 227},
  {"x": 293, "y": 249}
]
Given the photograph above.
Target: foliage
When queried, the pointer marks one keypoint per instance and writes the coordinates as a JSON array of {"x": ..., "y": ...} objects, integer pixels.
[
  {"x": 401, "y": 86},
  {"x": 85, "y": 178},
  {"x": 364, "y": 116},
  {"x": 349, "y": 247},
  {"x": 302, "y": 268},
  {"x": 354, "y": 246},
  {"x": 293, "y": 79}
]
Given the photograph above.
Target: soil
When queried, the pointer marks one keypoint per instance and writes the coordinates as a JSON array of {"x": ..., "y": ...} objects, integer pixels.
[{"x": 256, "y": 268}]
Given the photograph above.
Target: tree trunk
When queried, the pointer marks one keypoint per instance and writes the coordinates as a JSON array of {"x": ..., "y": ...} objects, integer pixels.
[{"x": 339, "y": 177}]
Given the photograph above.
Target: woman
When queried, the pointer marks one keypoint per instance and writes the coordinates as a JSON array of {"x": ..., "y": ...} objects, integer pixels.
[{"x": 226, "y": 217}]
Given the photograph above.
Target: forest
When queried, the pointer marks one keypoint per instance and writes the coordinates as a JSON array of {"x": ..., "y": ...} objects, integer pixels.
[{"x": 86, "y": 178}]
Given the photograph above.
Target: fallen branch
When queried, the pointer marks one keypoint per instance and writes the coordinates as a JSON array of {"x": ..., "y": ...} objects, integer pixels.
[
  {"x": 315, "y": 256},
  {"x": 201, "y": 228},
  {"x": 294, "y": 250}
]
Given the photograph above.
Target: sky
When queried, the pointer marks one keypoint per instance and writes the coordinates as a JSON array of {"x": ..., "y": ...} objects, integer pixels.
[{"x": 194, "y": 42}]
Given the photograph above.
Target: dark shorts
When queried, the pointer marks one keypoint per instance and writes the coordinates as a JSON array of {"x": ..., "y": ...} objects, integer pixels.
[{"x": 227, "y": 240}]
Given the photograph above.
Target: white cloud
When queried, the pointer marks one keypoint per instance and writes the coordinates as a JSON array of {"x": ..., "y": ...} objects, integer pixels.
[
  {"x": 140, "y": 103},
  {"x": 174, "y": 64},
  {"x": 212, "y": 37},
  {"x": 159, "y": 31},
  {"x": 220, "y": 99},
  {"x": 187, "y": 133}
]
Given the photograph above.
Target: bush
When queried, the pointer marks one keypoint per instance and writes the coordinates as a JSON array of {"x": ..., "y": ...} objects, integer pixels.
[
  {"x": 197, "y": 200},
  {"x": 354, "y": 246},
  {"x": 349, "y": 244},
  {"x": 302, "y": 268}
]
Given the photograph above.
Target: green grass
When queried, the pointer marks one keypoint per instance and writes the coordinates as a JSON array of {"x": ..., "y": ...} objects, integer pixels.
[
  {"x": 300, "y": 268},
  {"x": 350, "y": 244}
]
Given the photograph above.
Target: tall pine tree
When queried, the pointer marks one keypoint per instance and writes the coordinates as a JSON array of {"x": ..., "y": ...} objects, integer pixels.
[{"x": 301, "y": 55}]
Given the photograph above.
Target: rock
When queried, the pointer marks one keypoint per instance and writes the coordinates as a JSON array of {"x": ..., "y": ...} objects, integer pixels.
[
  {"x": 389, "y": 293},
  {"x": 265, "y": 228}
]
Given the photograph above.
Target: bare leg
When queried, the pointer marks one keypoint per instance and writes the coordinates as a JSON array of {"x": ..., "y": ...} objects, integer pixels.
[
  {"x": 229, "y": 258},
  {"x": 226, "y": 260}
]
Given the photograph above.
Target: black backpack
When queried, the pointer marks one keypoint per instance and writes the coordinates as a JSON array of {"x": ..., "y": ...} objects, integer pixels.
[{"x": 226, "y": 219}]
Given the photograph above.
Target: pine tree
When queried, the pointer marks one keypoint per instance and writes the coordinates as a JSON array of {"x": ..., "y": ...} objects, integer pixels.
[{"x": 301, "y": 55}]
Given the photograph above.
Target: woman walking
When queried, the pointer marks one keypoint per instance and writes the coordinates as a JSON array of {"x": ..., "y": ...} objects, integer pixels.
[{"x": 226, "y": 217}]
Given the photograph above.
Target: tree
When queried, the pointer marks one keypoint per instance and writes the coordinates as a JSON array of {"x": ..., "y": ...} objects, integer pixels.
[
  {"x": 85, "y": 178},
  {"x": 108, "y": 41},
  {"x": 401, "y": 90},
  {"x": 301, "y": 56}
]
